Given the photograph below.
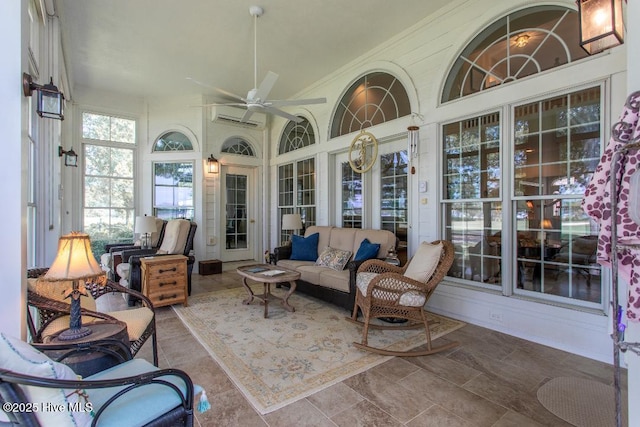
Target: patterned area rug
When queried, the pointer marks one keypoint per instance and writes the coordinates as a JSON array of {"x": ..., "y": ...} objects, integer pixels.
[
  {"x": 581, "y": 402},
  {"x": 289, "y": 356}
]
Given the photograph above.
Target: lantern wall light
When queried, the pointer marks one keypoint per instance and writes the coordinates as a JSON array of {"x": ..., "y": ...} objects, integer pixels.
[
  {"x": 70, "y": 157},
  {"x": 50, "y": 99},
  {"x": 212, "y": 164},
  {"x": 601, "y": 25}
]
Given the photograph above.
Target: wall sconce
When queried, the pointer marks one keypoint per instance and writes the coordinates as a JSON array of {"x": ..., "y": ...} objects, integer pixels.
[
  {"x": 601, "y": 25},
  {"x": 50, "y": 99},
  {"x": 70, "y": 157},
  {"x": 212, "y": 164}
]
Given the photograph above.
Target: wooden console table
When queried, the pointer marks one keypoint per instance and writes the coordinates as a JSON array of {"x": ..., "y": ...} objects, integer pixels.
[{"x": 164, "y": 279}]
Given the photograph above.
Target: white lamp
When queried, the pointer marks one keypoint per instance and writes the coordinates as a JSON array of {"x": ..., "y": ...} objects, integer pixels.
[
  {"x": 75, "y": 261},
  {"x": 291, "y": 222},
  {"x": 145, "y": 225}
]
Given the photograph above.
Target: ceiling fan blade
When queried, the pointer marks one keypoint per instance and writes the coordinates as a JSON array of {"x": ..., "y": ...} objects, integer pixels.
[
  {"x": 265, "y": 87},
  {"x": 245, "y": 118},
  {"x": 281, "y": 113},
  {"x": 283, "y": 102},
  {"x": 228, "y": 94},
  {"x": 226, "y": 104}
]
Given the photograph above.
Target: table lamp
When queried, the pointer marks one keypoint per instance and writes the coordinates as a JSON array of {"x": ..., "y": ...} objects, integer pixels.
[
  {"x": 145, "y": 225},
  {"x": 75, "y": 262},
  {"x": 545, "y": 225},
  {"x": 291, "y": 222}
]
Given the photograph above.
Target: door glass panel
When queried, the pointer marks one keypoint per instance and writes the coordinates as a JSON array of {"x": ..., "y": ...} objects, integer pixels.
[
  {"x": 393, "y": 195},
  {"x": 236, "y": 209},
  {"x": 351, "y": 197}
]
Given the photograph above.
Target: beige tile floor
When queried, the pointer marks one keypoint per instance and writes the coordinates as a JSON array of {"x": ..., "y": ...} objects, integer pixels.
[{"x": 490, "y": 379}]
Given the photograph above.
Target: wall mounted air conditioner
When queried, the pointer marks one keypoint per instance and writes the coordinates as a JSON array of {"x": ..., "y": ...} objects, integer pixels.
[{"x": 232, "y": 116}]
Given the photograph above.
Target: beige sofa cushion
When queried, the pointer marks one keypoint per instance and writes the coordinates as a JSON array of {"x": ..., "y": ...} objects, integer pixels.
[
  {"x": 344, "y": 239},
  {"x": 386, "y": 239},
  {"x": 324, "y": 233}
]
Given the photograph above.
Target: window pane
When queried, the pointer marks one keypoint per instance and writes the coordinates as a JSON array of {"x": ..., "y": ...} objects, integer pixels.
[
  {"x": 556, "y": 241},
  {"x": 173, "y": 190},
  {"x": 123, "y": 130},
  {"x": 95, "y": 126}
]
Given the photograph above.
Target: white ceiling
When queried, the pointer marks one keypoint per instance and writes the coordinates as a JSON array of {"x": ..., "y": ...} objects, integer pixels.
[{"x": 150, "y": 47}]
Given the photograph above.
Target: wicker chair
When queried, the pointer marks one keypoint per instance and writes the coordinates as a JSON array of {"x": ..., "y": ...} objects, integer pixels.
[
  {"x": 141, "y": 321},
  {"x": 393, "y": 296},
  {"x": 133, "y": 392}
]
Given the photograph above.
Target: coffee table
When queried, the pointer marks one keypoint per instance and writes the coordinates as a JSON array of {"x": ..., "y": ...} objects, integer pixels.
[{"x": 268, "y": 274}]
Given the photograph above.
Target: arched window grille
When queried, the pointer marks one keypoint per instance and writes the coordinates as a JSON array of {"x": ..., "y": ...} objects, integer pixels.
[
  {"x": 239, "y": 146},
  {"x": 296, "y": 136},
  {"x": 172, "y": 141},
  {"x": 373, "y": 99},
  {"x": 519, "y": 45}
]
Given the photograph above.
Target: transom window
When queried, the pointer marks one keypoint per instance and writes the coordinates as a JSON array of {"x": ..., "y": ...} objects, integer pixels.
[
  {"x": 296, "y": 136},
  {"x": 239, "y": 146},
  {"x": 173, "y": 141},
  {"x": 373, "y": 99},
  {"x": 521, "y": 44}
]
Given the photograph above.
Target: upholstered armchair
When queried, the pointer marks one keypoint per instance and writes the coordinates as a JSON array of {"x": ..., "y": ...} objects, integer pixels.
[
  {"x": 53, "y": 311},
  {"x": 112, "y": 256},
  {"x": 133, "y": 392},
  {"x": 177, "y": 240}
]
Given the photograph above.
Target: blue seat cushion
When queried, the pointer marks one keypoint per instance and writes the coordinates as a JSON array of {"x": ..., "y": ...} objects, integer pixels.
[
  {"x": 367, "y": 250},
  {"x": 304, "y": 248},
  {"x": 138, "y": 406}
]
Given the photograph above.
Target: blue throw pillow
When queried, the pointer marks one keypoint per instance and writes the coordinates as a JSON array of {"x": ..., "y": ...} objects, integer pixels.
[
  {"x": 304, "y": 248},
  {"x": 367, "y": 250}
]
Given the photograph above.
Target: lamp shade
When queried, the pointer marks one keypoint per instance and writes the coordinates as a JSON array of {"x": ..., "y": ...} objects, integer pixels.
[
  {"x": 145, "y": 224},
  {"x": 546, "y": 224},
  {"x": 75, "y": 259},
  {"x": 291, "y": 222}
]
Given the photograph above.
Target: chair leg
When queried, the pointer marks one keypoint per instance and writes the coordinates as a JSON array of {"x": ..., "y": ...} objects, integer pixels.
[
  {"x": 154, "y": 343},
  {"x": 426, "y": 328}
]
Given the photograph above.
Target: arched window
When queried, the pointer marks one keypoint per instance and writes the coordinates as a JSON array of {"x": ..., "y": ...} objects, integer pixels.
[
  {"x": 521, "y": 44},
  {"x": 235, "y": 145},
  {"x": 172, "y": 141},
  {"x": 296, "y": 135},
  {"x": 373, "y": 99}
]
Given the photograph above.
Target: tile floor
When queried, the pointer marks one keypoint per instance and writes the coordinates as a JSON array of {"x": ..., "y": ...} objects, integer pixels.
[{"x": 490, "y": 379}]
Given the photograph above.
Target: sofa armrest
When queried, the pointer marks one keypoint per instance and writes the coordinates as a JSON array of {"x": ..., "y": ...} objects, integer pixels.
[{"x": 282, "y": 252}]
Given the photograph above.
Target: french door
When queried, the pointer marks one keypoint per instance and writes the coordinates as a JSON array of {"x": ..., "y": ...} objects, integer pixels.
[{"x": 238, "y": 213}]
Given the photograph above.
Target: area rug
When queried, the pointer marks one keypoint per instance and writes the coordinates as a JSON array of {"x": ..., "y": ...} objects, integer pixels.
[
  {"x": 581, "y": 402},
  {"x": 289, "y": 356}
]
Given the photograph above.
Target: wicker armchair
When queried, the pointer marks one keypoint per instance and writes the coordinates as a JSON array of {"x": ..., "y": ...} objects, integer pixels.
[
  {"x": 383, "y": 291},
  {"x": 141, "y": 321}
]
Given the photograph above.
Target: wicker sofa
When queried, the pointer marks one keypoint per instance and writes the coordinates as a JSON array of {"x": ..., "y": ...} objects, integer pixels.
[{"x": 335, "y": 286}]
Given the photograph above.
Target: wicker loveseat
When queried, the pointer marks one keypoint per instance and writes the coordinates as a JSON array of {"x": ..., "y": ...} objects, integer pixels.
[{"x": 333, "y": 285}]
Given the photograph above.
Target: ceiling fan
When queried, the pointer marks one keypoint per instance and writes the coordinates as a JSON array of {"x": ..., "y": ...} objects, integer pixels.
[{"x": 256, "y": 99}]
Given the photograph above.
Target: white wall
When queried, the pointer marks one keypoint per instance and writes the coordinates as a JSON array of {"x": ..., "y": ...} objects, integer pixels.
[{"x": 14, "y": 33}]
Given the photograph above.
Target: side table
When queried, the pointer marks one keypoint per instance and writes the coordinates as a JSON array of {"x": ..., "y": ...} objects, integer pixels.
[
  {"x": 88, "y": 362},
  {"x": 164, "y": 279}
]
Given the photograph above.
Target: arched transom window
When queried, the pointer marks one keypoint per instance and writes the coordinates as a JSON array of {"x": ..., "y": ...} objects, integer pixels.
[
  {"x": 521, "y": 44},
  {"x": 373, "y": 99},
  {"x": 173, "y": 141},
  {"x": 235, "y": 145},
  {"x": 296, "y": 136}
]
